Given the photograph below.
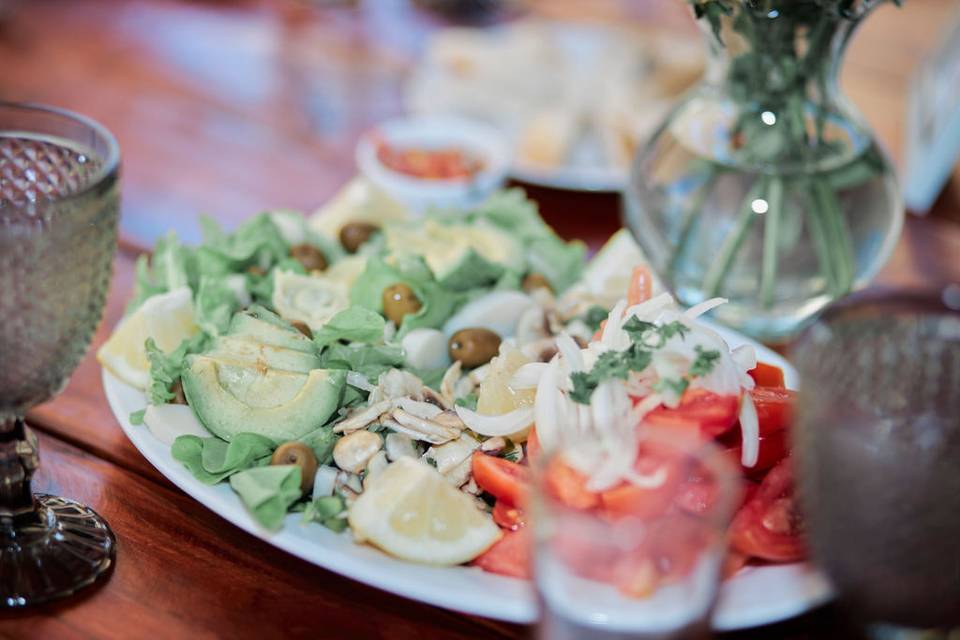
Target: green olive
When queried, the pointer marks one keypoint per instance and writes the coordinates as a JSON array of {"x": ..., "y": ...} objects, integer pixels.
[
  {"x": 309, "y": 256},
  {"x": 534, "y": 281},
  {"x": 474, "y": 347},
  {"x": 398, "y": 301},
  {"x": 301, "y": 455},
  {"x": 354, "y": 234}
]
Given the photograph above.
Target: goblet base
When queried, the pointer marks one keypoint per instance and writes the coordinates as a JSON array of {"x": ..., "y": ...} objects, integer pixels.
[{"x": 58, "y": 550}]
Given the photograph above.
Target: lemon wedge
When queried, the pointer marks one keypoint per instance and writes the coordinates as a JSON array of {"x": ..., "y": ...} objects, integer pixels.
[
  {"x": 166, "y": 317},
  {"x": 411, "y": 512},
  {"x": 496, "y": 396}
]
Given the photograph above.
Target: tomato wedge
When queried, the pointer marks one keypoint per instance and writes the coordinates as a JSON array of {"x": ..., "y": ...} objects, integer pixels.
[
  {"x": 629, "y": 499},
  {"x": 533, "y": 447},
  {"x": 773, "y": 448},
  {"x": 713, "y": 414},
  {"x": 509, "y": 556},
  {"x": 774, "y": 408},
  {"x": 504, "y": 480},
  {"x": 767, "y": 375},
  {"x": 732, "y": 563},
  {"x": 508, "y": 517},
  {"x": 769, "y": 525},
  {"x": 569, "y": 486}
]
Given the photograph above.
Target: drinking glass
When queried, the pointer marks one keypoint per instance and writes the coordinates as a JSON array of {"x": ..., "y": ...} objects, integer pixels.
[
  {"x": 645, "y": 563},
  {"x": 877, "y": 440},
  {"x": 58, "y": 231}
]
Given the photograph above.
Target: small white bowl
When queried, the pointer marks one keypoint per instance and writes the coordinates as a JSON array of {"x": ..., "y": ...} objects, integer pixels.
[{"x": 475, "y": 138}]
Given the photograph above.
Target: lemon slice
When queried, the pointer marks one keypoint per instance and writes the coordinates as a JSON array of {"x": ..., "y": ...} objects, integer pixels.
[
  {"x": 411, "y": 512},
  {"x": 166, "y": 317},
  {"x": 496, "y": 396}
]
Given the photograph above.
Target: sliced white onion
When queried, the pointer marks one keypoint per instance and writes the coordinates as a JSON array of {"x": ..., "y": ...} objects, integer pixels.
[
  {"x": 527, "y": 376},
  {"x": 649, "y": 480},
  {"x": 613, "y": 334},
  {"x": 358, "y": 380},
  {"x": 571, "y": 352},
  {"x": 546, "y": 407},
  {"x": 325, "y": 481},
  {"x": 648, "y": 309},
  {"x": 502, "y": 425},
  {"x": 645, "y": 406},
  {"x": 701, "y": 308},
  {"x": 167, "y": 422},
  {"x": 750, "y": 432},
  {"x": 745, "y": 356}
]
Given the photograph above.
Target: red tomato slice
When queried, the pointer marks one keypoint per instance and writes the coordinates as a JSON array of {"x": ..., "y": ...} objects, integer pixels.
[
  {"x": 504, "y": 480},
  {"x": 629, "y": 499},
  {"x": 767, "y": 375},
  {"x": 733, "y": 563},
  {"x": 773, "y": 448},
  {"x": 774, "y": 408},
  {"x": 509, "y": 556},
  {"x": 769, "y": 525},
  {"x": 508, "y": 517},
  {"x": 569, "y": 486},
  {"x": 713, "y": 414},
  {"x": 533, "y": 447}
]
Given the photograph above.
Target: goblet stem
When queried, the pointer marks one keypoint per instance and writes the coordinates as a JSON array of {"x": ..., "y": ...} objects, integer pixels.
[{"x": 19, "y": 458}]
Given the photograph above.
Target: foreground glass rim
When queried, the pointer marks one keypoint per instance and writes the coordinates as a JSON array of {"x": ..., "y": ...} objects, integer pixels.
[{"x": 111, "y": 161}]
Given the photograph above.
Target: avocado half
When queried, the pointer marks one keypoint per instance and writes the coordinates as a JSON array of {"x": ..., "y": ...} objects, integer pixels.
[{"x": 233, "y": 397}]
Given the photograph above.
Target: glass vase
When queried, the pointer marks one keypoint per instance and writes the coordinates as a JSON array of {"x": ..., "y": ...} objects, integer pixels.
[{"x": 764, "y": 185}]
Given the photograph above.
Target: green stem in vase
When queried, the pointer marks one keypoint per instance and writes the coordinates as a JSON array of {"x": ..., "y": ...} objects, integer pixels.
[
  {"x": 691, "y": 217},
  {"x": 836, "y": 228},
  {"x": 771, "y": 240},
  {"x": 720, "y": 267},
  {"x": 821, "y": 243}
]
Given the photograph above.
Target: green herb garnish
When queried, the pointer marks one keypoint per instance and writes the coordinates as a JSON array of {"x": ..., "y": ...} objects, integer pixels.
[{"x": 594, "y": 317}]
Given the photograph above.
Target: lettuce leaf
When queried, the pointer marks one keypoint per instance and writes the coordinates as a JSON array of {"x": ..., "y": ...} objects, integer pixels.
[
  {"x": 214, "y": 305},
  {"x": 256, "y": 242},
  {"x": 170, "y": 267},
  {"x": 211, "y": 460},
  {"x": 322, "y": 441},
  {"x": 354, "y": 324},
  {"x": 370, "y": 360},
  {"x": 165, "y": 368},
  {"x": 268, "y": 491},
  {"x": 561, "y": 263}
]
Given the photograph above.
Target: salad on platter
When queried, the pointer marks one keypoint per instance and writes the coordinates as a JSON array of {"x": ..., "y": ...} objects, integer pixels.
[{"x": 396, "y": 375}]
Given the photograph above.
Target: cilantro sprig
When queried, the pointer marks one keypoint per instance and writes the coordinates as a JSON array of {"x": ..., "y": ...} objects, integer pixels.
[{"x": 645, "y": 337}]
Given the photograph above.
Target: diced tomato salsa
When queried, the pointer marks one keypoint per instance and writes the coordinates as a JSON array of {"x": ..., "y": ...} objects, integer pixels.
[{"x": 444, "y": 163}]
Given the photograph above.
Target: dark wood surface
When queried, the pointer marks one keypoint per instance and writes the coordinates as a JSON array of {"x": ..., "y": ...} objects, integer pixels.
[{"x": 228, "y": 108}]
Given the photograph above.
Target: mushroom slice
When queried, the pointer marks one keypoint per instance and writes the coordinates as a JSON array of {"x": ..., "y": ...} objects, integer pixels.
[{"x": 362, "y": 418}]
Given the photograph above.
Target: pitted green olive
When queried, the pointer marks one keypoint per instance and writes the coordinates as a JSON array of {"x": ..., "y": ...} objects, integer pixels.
[
  {"x": 398, "y": 301},
  {"x": 354, "y": 234},
  {"x": 309, "y": 256},
  {"x": 301, "y": 455},
  {"x": 474, "y": 347}
]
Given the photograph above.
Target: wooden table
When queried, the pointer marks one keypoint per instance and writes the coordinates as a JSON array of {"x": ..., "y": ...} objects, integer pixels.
[{"x": 228, "y": 108}]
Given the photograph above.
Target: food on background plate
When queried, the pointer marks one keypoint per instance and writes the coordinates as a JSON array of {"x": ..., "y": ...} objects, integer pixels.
[
  {"x": 401, "y": 386},
  {"x": 571, "y": 96},
  {"x": 430, "y": 163}
]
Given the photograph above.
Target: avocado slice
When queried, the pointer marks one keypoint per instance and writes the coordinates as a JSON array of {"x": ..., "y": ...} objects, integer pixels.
[
  {"x": 234, "y": 398},
  {"x": 276, "y": 334},
  {"x": 251, "y": 352}
]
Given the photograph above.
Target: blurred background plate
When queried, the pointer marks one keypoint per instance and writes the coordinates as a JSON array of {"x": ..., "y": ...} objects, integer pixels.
[{"x": 575, "y": 100}]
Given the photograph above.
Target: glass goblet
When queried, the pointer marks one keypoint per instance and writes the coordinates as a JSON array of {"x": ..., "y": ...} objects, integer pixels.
[
  {"x": 877, "y": 439},
  {"x": 59, "y": 205}
]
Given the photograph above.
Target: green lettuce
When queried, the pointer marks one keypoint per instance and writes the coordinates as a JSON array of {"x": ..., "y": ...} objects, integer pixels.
[
  {"x": 328, "y": 511},
  {"x": 322, "y": 441},
  {"x": 370, "y": 360},
  {"x": 257, "y": 242},
  {"x": 170, "y": 267},
  {"x": 471, "y": 272},
  {"x": 166, "y": 368},
  {"x": 214, "y": 305},
  {"x": 268, "y": 492},
  {"x": 211, "y": 460},
  {"x": 355, "y": 324},
  {"x": 438, "y": 303}
]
